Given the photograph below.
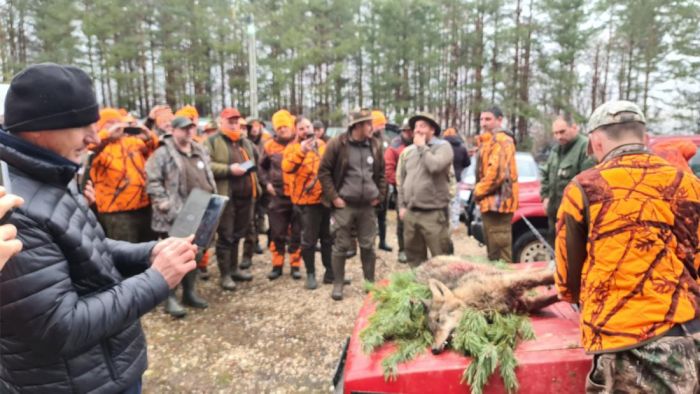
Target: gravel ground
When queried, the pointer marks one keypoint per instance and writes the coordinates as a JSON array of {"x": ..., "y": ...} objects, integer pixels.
[{"x": 267, "y": 336}]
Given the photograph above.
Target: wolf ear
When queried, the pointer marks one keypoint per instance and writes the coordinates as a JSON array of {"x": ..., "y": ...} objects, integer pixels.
[{"x": 439, "y": 290}]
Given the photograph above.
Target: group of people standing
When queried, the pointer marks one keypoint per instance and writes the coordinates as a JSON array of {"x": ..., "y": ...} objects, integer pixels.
[{"x": 316, "y": 192}]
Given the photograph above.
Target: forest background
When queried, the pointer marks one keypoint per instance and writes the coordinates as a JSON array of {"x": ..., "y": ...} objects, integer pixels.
[{"x": 321, "y": 58}]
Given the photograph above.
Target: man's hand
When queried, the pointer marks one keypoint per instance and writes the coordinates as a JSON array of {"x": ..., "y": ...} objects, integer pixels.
[
  {"x": 9, "y": 246},
  {"x": 173, "y": 258},
  {"x": 270, "y": 189},
  {"x": 89, "y": 192},
  {"x": 545, "y": 203},
  {"x": 308, "y": 145},
  {"x": 164, "y": 205},
  {"x": 402, "y": 213},
  {"x": 339, "y": 202},
  {"x": 237, "y": 170},
  {"x": 155, "y": 111},
  {"x": 115, "y": 131},
  {"x": 374, "y": 202},
  {"x": 419, "y": 139}
]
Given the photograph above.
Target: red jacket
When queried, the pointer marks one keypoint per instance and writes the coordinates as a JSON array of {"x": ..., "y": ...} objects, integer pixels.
[{"x": 391, "y": 159}]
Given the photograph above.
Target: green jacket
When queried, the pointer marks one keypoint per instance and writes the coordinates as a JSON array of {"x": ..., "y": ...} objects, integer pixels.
[
  {"x": 218, "y": 147},
  {"x": 563, "y": 164}
]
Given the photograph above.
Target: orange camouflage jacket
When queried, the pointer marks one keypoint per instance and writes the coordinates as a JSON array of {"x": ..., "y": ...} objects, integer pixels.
[
  {"x": 627, "y": 249},
  {"x": 301, "y": 173},
  {"x": 496, "y": 188},
  {"x": 119, "y": 173}
]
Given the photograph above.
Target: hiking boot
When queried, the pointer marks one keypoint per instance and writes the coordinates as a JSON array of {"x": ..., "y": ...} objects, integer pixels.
[
  {"x": 296, "y": 274},
  {"x": 223, "y": 260},
  {"x": 189, "y": 296},
  {"x": 311, "y": 281},
  {"x": 338, "y": 264},
  {"x": 173, "y": 308},
  {"x": 402, "y": 257},
  {"x": 275, "y": 273},
  {"x": 246, "y": 263}
]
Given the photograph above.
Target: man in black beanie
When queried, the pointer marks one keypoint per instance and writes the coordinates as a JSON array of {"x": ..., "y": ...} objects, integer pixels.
[{"x": 71, "y": 300}]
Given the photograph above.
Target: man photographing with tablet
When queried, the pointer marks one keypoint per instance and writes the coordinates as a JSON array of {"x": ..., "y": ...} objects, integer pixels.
[{"x": 71, "y": 300}]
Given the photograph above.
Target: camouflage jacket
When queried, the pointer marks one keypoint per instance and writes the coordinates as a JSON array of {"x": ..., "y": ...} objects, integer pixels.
[
  {"x": 496, "y": 188},
  {"x": 166, "y": 181},
  {"x": 627, "y": 249}
]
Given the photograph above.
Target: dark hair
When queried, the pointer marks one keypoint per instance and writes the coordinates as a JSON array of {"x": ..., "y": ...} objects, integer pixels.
[
  {"x": 299, "y": 119},
  {"x": 495, "y": 110},
  {"x": 566, "y": 117},
  {"x": 616, "y": 131}
]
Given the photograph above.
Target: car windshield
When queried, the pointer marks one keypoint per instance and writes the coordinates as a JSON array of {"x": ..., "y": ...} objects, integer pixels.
[{"x": 527, "y": 169}]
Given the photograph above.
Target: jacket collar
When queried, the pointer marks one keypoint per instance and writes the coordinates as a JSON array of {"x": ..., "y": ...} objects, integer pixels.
[
  {"x": 626, "y": 149},
  {"x": 38, "y": 163}
]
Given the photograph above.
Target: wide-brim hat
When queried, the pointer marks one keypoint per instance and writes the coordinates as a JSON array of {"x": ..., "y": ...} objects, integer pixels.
[
  {"x": 359, "y": 116},
  {"x": 428, "y": 117}
]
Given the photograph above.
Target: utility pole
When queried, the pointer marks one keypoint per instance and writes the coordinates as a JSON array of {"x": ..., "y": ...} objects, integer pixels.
[{"x": 252, "y": 67}]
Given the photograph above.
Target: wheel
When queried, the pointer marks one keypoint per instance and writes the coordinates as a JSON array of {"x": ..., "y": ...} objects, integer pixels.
[{"x": 528, "y": 249}]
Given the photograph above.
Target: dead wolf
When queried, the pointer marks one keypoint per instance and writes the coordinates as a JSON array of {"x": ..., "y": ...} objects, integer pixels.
[{"x": 457, "y": 284}]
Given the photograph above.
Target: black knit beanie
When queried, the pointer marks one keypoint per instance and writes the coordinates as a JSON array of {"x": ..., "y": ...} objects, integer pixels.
[{"x": 50, "y": 96}]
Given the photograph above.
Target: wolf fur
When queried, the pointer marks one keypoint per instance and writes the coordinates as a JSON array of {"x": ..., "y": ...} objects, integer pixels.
[{"x": 456, "y": 284}]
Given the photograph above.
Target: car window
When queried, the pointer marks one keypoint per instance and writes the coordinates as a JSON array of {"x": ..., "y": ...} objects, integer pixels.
[{"x": 695, "y": 163}]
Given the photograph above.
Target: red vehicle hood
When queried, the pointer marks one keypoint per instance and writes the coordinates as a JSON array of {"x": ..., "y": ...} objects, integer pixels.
[{"x": 552, "y": 363}]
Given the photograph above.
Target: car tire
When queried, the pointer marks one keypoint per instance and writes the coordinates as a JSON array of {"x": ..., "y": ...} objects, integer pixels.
[{"x": 528, "y": 249}]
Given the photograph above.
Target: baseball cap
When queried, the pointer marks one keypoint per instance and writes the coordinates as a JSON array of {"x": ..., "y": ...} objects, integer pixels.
[
  {"x": 614, "y": 112},
  {"x": 181, "y": 122},
  {"x": 230, "y": 112}
]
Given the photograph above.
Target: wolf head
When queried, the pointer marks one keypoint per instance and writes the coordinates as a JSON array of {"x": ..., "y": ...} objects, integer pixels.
[{"x": 444, "y": 313}]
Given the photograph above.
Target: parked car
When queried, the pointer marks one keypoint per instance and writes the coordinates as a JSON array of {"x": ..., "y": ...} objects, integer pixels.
[
  {"x": 554, "y": 362},
  {"x": 526, "y": 245}
]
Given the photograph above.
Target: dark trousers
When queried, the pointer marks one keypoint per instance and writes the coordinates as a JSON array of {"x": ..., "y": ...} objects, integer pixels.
[
  {"x": 498, "y": 232},
  {"x": 234, "y": 223},
  {"x": 131, "y": 226},
  {"x": 381, "y": 222},
  {"x": 257, "y": 222},
  {"x": 399, "y": 230},
  {"x": 316, "y": 220},
  {"x": 285, "y": 231}
]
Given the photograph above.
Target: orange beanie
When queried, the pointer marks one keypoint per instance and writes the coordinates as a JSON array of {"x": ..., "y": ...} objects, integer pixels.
[
  {"x": 108, "y": 115},
  {"x": 189, "y": 112}
]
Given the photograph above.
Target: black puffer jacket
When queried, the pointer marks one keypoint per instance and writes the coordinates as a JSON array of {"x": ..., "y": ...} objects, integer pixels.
[{"x": 69, "y": 320}]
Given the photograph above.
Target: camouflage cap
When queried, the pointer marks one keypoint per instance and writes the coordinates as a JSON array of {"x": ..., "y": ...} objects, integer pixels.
[
  {"x": 615, "y": 112},
  {"x": 405, "y": 125},
  {"x": 359, "y": 116}
]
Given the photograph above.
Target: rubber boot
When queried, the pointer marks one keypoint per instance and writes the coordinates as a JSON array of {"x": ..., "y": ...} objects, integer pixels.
[
  {"x": 258, "y": 248},
  {"x": 296, "y": 273},
  {"x": 309, "y": 257},
  {"x": 223, "y": 260},
  {"x": 246, "y": 263},
  {"x": 172, "y": 307},
  {"x": 382, "y": 238},
  {"x": 275, "y": 273},
  {"x": 189, "y": 295},
  {"x": 368, "y": 259},
  {"x": 236, "y": 273},
  {"x": 203, "y": 273},
  {"x": 338, "y": 264}
]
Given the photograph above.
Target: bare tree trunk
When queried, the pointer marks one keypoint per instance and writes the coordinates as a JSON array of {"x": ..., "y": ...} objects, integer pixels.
[{"x": 596, "y": 72}]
